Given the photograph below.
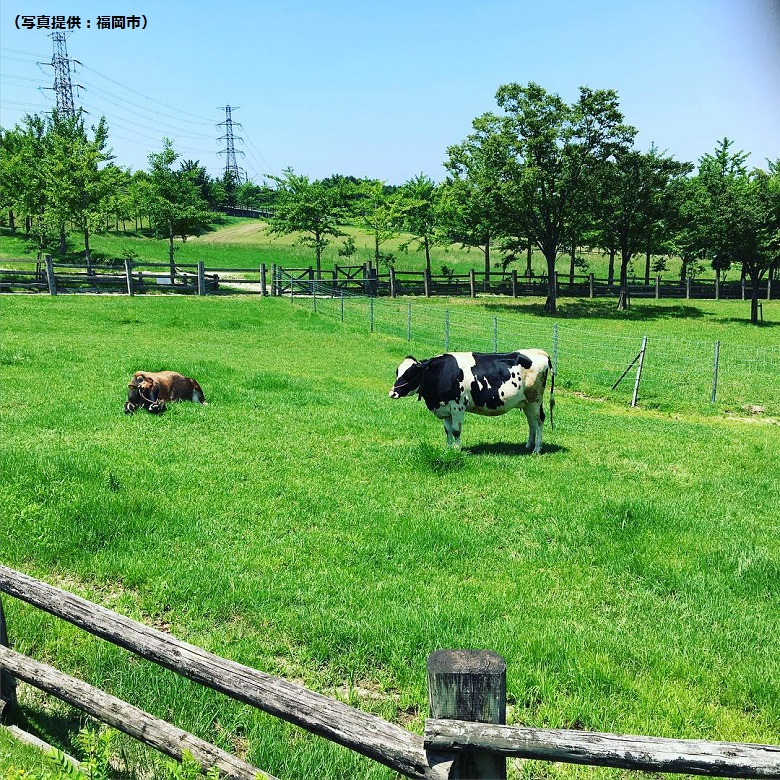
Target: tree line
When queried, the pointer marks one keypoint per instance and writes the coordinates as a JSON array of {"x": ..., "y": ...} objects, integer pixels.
[{"x": 537, "y": 173}]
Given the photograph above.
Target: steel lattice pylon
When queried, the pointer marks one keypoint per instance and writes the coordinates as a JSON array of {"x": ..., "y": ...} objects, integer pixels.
[
  {"x": 63, "y": 88},
  {"x": 231, "y": 165}
]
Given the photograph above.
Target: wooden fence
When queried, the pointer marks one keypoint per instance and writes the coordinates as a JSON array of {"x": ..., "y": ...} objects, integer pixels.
[
  {"x": 465, "y": 735},
  {"x": 131, "y": 277}
]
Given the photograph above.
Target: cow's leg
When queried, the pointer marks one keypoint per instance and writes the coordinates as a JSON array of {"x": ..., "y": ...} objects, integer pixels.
[
  {"x": 455, "y": 421},
  {"x": 533, "y": 413}
]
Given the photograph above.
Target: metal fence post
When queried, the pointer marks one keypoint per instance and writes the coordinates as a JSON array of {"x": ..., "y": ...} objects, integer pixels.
[
  {"x": 371, "y": 314},
  {"x": 446, "y": 329},
  {"x": 469, "y": 685},
  {"x": 342, "y": 305},
  {"x": 409, "y": 322},
  {"x": 715, "y": 372},
  {"x": 639, "y": 372},
  {"x": 495, "y": 334},
  {"x": 555, "y": 348},
  {"x": 50, "y": 275},
  {"x": 129, "y": 275},
  {"x": 263, "y": 288}
]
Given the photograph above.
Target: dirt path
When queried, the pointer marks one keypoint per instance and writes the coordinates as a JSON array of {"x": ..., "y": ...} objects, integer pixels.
[{"x": 243, "y": 233}]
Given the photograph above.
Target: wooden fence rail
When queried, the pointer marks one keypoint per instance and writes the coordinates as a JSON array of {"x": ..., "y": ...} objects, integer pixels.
[
  {"x": 134, "y": 277},
  {"x": 465, "y": 736}
]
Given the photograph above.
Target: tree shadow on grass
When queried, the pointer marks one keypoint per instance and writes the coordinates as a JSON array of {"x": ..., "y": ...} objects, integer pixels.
[
  {"x": 506, "y": 448},
  {"x": 604, "y": 309}
]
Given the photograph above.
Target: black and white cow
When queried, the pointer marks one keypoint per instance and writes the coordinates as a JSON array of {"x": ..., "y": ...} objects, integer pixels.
[{"x": 490, "y": 384}]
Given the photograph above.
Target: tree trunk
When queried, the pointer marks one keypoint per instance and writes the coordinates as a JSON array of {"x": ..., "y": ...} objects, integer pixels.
[
  {"x": 528, "y": 257},
  {"x": 487, "y": 260},
  {"x": 87, "y": 251},
  {"x": 551, "y": 304},
  {"x": 427, "y": 256},
  {"x": 376, "y": 249},
  {"x": 572, "y": 258},
  {"x": 11, "y": 222},
  {"x": 623, "y": 295},
  {"x": 63, "y": 241},
  {"x": 171, "y": 251},
  {"x": 647, "y": 267},
  {"x": 611, "y": 272}
]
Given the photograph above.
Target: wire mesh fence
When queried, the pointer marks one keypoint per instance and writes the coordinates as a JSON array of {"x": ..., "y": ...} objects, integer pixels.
[{"x": 676, "y": 373}]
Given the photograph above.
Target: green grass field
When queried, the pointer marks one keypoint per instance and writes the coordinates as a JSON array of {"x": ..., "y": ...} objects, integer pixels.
[{"x": 307, "y": 525}]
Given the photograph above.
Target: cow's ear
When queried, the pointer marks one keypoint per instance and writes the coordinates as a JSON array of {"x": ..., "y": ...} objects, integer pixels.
[{"x": 524, "y": 360}]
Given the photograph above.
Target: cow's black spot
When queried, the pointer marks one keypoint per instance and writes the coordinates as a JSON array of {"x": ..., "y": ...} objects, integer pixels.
[
  {"x": 490, "y": 372},
  {"x": 440, "y": 381}
]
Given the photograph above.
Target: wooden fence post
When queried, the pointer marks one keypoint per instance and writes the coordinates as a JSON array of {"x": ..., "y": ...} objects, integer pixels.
[
  {"x": 129, "y": 275},
  {"x": 469, "y": 685},
  {"x": 591, "y": 286},
  {"x": 472, "y": 283},
  {"x": 657, "y": 287},
  {"x": 7, "y": 682},
  {"x": 201, "y": 278},
  {"x": 263, "y": 285},
  {"x": 50, "y": 275}
]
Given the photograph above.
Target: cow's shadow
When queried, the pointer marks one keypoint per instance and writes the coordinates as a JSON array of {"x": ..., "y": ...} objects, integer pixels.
[{"x": 507, "y": 448}]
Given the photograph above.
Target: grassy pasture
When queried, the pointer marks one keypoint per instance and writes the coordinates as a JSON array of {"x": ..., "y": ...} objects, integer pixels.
[
  {"x": 307, "y": 525},
  {"x": 244, "y": 243}
]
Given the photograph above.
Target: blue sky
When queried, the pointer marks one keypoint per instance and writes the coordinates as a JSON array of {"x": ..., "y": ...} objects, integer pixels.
[{"x": 381, "y": 89}]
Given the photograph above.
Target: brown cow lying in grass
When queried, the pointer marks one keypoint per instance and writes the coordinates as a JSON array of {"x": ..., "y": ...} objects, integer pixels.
[{"x": 152, "y": 390}]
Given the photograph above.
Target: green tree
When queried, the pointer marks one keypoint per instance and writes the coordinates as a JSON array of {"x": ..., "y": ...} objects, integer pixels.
[
  {"x": 635, "y": 196},
  {"x": 23, "y": 178},
  {"x": 172, "y": 199},
  {"x": 77, "y": 183},
  {"x": 310, "y": 208},
  {"x": 551, "y": 154},
  {"x": 417, "y": 210},
  {"x": 740, "y": 211},
  {"x": 470, "y": 208},
  {"x": 377, "y": 213}
]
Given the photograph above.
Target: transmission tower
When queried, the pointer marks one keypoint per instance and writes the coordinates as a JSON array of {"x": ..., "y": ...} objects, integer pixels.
[
  {"x": 231, "y": 166},
  {"x": 63, "y": 88}
]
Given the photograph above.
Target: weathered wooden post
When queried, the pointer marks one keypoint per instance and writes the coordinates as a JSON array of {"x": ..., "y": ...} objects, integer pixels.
[
  {"x": 201, "y": 278},
  {"x": 263, "y": 287},
  {"x": 7, "y": 682},
  {"x": 50, "y": 275},
  {"x": 469, "y": 685},
  {"x": 129, "y": 276},
  {"x": 472, "y": 283}
]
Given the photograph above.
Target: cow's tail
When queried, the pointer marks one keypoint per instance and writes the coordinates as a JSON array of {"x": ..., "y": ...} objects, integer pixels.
[{"x": 552, "y": 392}]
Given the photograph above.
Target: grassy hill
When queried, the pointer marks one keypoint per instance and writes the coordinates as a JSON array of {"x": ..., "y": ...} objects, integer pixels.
[{"x": 244, "y": 243}]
